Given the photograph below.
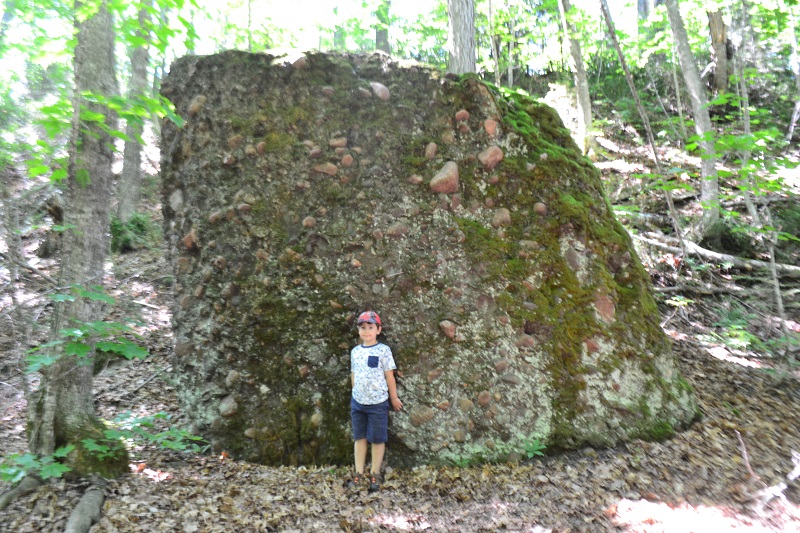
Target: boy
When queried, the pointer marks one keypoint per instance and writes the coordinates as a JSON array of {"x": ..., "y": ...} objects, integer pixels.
[{"x": 372, "y": 378}]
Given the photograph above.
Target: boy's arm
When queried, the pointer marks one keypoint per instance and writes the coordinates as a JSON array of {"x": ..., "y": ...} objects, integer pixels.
[
  {"x": 352, "y": 380},
  {"x": 393, "y": 399}
]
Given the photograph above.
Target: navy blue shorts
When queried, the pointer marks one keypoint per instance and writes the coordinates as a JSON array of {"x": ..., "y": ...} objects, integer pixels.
[{"x": 370, "y": 422}]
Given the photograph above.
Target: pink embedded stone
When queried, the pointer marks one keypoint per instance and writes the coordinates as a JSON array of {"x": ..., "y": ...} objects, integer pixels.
[
  {"x": 415, "y": 179},
  {"x": 421, "y": 415},
  {"x": 380, "y": 90},
  {"x": 261, "y": 147},
  {"x": 364, "y": 92},
  {"x": 197, "y": 104},
  {"x": 300, "y": 63},
  {"x": 462, "y": 115},
  {"x": 540, "y": 209},
  {"x": 328, "y": 91},
  {"x": 502, "y": 217},
  {"x": 444, "y": 406},
  {"x": 448, "y": 328},
  {"x": 494, "y": 179},
  {"x": 490, "y": 157},
  {"x": 430, "y": 150},
  {"x": 340, "y": 151},
  {"x": 490, "y": 126},
  {"x": 526, "y": 341},
  {"x": 326, "y": 168},
  {"x": 484, "y": 398},
  {"x": 605, "y": 307},
  {"x": 228, "y": 406},
  {"x": 215, "y": 217},
  {"x": 315, "y": 152},
  {"x": 464, "y": 128},
  {"x": 338, "y": 142},
  {"x": 309, "y": 222},
  {"x": 190, "y": 240},
  {"x": 543, "y": 156},
  {"x": 347, "y": 160},
  {"x": 397, "y": 230},
  {"x": 446, "y": 180},
  {"x": 591, "y": 345},
  {"x": 235, "y": 141},
  {"x": 244, "y": 208},
  {"x": 435, "y": 374},
  {"x": 355, "y": 263}
]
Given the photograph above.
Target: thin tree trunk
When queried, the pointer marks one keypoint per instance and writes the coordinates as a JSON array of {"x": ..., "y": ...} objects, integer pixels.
[
  {"x": 719, "y": 42},
  {"x": 581, "y": 78},
  {"x": 63, "y": 410},
  {"x": 130, "y": 182},
  {"x": 612, "y": 32},
  {"x": 461, "y": 36},
  {"x": 511, "y": 37},
  {"x": 794, "y": 60},
  {"x": 495, "y": 47},
  {"x": 709, "y": 186},
  {"x": 382, "y": 29},
  {"x": 679, "y": 99}
]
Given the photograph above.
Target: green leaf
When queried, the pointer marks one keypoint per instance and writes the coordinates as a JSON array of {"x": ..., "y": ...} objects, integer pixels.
[
  {"x": 53, "y": 470},
  {"x": 124, "y": 347},
  {"x": 37, "y": 362},
  {"x": 38, "y": 170},
  {"x": 64, "y": 451},
  {"x": 80, "y": 349},
  {"x": 96, "y": 295}
]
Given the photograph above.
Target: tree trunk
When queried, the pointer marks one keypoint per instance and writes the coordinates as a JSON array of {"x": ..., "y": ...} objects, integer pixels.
[
  {"x": 382, "y": 29},
  {"x": 461, "y": 36},
  {"x": 62, "y": 410},
  {"x": 581, "y": 78},
  {"x": 709, "y": 192},
  {"x": 130, "y": 182},
  {"x": 719, "y": 43},
  {"x": 794, "y": 60},
  {"x": 495, "y": 46},
  {"x": 510, "y": 69}
]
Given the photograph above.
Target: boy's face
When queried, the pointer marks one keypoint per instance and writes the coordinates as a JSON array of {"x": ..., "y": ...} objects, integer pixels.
[{"x": 368, "y": 333}]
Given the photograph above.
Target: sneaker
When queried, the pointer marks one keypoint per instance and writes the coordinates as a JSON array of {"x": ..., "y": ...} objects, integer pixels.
[
  {"x": 355, "y": 483},
  {"x": 374, "y": 484}
]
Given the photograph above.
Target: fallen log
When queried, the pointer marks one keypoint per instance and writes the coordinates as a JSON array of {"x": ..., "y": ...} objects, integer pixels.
[{"x": 748, "y": 264}]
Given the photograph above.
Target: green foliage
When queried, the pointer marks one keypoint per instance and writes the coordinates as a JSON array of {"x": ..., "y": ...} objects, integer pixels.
[
  {"x": 14, "y": 467},
  {"x": 139, "y": 232},
  {"x": 475, "y": 454},
  {"x": 82, "y": 339}
]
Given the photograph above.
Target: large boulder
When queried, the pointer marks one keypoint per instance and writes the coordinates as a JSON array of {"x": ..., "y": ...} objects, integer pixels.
[{"x": 300, "y": 193}]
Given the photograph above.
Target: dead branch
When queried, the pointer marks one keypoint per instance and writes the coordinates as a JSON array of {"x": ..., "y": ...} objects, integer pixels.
[
  {"x": 749, "y": 264},
  {"x": 31, "y": 268},
  {"x": 701, "y": 289},
  {"x": 88, "y": 510}
]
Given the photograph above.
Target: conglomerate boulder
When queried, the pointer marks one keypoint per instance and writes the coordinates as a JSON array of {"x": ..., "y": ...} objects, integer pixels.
[{"x": 299, "y": 193}]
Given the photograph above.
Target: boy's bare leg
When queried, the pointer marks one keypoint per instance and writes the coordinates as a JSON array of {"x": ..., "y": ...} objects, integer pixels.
[
  {"x": 377, "y": 457},
  {"x": 360, "y": 452}
]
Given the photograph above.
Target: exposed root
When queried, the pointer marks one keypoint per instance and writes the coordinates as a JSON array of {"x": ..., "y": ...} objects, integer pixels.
[
  {"x": 26, "y": 486},
  {"x": 88, "y": 510}
]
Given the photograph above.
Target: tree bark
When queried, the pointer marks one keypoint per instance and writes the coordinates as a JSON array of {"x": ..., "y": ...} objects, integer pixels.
[
  {"x": 495, "y": 47},
  {"x": 461, "y": 36},
  {"x": 382, "y": 29},
  {"x": 719, "y": 42},
  {"x": 581, "y": 78},
  {"x": 130, "y": 182},
  {"x": 709, "y": 191},
  {"x": 794, "y": 60},
  {"x": 62, "y": 410}
]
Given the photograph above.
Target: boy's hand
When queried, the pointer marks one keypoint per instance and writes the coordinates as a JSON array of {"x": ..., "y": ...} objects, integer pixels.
[{"x": 396, "y": 403}]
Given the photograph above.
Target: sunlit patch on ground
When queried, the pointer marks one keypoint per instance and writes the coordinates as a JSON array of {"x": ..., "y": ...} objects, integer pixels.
[{"x": 646, "y": 516}]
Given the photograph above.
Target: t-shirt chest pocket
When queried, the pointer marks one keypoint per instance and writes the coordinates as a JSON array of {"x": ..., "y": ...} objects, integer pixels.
[{"x": 372, "y": 361}]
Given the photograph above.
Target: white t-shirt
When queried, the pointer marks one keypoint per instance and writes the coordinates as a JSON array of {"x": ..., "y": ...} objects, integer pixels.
[{"x": 368, "y": 364}]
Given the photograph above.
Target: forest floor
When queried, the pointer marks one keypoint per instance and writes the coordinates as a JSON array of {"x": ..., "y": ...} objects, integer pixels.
[{"x": 726, "y": 472}]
